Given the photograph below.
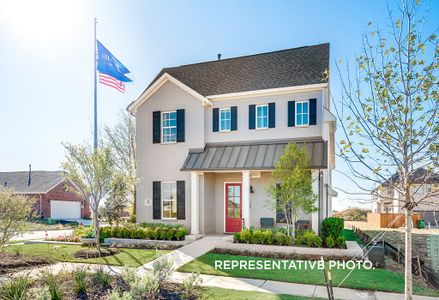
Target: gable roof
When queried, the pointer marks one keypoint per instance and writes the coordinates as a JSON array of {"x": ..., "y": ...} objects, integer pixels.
[
  {"x": 41, "y": 181},
  {"x": 294, "y": 67},
  {"x": 284, "y": 68},
  {"x": 419, "y": 175}
]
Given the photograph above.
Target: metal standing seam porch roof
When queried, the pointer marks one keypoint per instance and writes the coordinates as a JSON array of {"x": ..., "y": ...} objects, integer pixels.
[{"x": 250, "y": 155}]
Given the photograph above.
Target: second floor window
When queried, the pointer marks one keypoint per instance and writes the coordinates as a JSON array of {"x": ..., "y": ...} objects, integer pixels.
[
  {"x": 262, "y": 116},
  {"x": 225, "y": 119},
  {"x": 169, "y": 127},
  {"x": 302, "y": 113}
]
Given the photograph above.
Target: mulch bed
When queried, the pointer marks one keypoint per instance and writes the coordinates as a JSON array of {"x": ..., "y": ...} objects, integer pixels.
[
  {"x": 96, "y": 291},
  {"x": 93, "y": 253},
  {"x": 12, "y": 262}
]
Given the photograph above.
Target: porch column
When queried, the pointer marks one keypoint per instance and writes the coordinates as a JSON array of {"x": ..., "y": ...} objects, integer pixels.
[
  {"x": 195, "y": 203},
  {"x": 315, "y": 189},
  {"x": 246, "y": 198}
]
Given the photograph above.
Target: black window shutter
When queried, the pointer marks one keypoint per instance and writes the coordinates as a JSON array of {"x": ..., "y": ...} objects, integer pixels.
[
  {"x": 271, "y": 115},
  {"x": 156, "y": 138},
  {"x": 181, "y": 200},
  {"x": 251, "y": 116},
  {"x": 215, "y": 119},
  {"x": 234, "y": 118},
  {"x": 180, "y": 125},
  {"x": 312, "y": 111},
  {"x": 156, "y": 200},
  {"x": 291, "y": 113}
]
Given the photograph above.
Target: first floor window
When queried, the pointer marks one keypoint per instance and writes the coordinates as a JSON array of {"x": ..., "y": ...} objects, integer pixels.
[
  {"x": 169, "y": 127},
  {"x": 225, "y": 119},
  {"x": 302, "y": 113},
  {"x": 261, "y": 116},
  {"x": 169, "y": 200}
]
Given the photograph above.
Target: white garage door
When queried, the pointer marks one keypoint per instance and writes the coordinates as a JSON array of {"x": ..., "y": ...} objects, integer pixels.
[{"x": 65, "y": 209}]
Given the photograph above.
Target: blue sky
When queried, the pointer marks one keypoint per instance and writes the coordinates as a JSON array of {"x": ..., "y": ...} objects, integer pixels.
[{"x": 46, "y": 49}]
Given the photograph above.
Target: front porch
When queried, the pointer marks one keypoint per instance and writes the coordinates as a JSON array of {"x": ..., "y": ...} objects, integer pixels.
[{"x": 227, "y": 201}]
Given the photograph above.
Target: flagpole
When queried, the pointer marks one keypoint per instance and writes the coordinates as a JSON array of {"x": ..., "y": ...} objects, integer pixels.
[{"x": 95, "y": 93}]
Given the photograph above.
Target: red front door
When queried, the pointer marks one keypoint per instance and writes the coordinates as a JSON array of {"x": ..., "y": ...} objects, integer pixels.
[{"x": 233, "y": 207}]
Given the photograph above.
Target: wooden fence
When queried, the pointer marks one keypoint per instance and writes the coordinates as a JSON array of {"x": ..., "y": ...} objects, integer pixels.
[{"x": 383, "y": 220}]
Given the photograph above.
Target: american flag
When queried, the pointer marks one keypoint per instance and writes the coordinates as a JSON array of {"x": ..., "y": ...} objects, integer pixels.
[{"x": 112, "y": 82}]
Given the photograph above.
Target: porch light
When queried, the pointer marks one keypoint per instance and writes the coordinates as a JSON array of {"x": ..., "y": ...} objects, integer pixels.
[{"x": 251, "y": 189}]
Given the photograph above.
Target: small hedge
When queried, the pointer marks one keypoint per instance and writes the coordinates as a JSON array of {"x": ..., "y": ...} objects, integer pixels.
[
  {"x": 332, "y": 232},
  {"x": 277, "y": 236},
  {"x": 134, "y": 231}
]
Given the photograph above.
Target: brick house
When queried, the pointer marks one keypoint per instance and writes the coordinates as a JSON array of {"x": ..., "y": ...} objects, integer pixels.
[{"x": 51, "y": 191}]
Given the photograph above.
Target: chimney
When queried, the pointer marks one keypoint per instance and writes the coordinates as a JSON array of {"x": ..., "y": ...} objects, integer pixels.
[
  {"x": 29, "y": 180},
  {"x": 219, "y": 56}
]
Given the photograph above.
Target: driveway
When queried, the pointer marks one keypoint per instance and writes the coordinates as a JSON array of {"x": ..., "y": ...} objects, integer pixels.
[{"x": 40, "y": 234}]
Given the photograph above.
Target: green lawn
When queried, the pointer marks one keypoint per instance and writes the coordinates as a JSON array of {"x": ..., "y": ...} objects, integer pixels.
[
  {"x": 349, "y": 235},
  {"x": 127, "y": 257},
  {"x": 221, "y": 294},
  {"x": 374, "y": 279}
]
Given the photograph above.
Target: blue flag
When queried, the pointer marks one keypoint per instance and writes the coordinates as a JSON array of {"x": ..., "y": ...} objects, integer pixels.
[{"x": 110, "y": 65}]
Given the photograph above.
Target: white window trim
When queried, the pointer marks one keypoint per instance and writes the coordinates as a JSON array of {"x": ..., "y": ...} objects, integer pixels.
[
  {"x": 161, "y": 198},
  {"x": 230, "y": 113},
  {"x": 161, "y": 127},
  {"x": 256, "y": 117},
  {"x": 295, "y": 117}
]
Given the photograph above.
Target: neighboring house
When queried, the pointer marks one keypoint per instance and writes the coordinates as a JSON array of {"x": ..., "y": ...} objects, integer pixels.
[
  {"x": 52, "y": 193},
  {"x": 208, "y": 135},
  {"x": 388, "y": 200}
]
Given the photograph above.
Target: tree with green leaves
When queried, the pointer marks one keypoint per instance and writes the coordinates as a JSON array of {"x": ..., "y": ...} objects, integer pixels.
[
  {"x": 121, "y": 138},
  {"x": 389, "y": 110},
  {"x": 93, "y": 172},
  {"x": 14, "y": 214},
  {"x": 117, "y": 200},
  {"x": 291, "y": 190}
]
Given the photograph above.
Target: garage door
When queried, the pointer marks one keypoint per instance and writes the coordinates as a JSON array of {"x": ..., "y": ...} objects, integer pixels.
[{"x": 65, "y": 209}]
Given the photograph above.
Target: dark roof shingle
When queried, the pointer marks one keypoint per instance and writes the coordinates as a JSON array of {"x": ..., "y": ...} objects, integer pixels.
[
  {"x": 41, "y": 181},
  {"x": 284, "y": 68}
]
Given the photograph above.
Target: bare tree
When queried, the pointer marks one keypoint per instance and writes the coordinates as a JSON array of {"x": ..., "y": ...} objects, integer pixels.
[
  {"x": 121, "y": 138},
  {"x": 389, "y": 114}
]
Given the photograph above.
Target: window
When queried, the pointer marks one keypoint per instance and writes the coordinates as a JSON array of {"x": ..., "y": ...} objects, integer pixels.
[
  {"x": 262, "y": 116},
  {"x": 169, "y": 127},
  {"x": 302, "y": 113},
  {"x": 225, "y": 119},
  {"x": 169, "y": 200}
]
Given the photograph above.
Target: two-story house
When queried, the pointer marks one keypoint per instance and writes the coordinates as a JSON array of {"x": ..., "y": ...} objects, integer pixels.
[
  {"x": 208, "y": 135},
  {"x": 424, "y": 185}
]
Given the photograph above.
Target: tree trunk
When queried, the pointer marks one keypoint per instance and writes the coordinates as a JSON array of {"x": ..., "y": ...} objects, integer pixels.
[
  {"x": 135, "y": 202},
  {"x": 96, "y": 229},
  {"x": 408, "y": 289}
]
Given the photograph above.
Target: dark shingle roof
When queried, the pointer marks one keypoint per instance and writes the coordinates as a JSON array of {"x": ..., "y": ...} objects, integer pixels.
[
  {"x": 250, "y": 155},
  {"x": 284, "y": 68},
  {"x": 419, "y": 175},
  {"x": 41, "y": 181}
]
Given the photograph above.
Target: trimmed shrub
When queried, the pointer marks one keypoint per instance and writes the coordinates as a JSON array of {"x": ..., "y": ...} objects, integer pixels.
[
  {"x": 282, "y": 239},
  {"x": 268, "y": 237},
  {"x": 317, "y": 241},
  {"x": 246, "y": 236},
  {"x": 330, "y": 242},
  {"x": 257, "y": 237},
  {"x": 134, "y": 231},
  {"x": 332, "y": 227},
  {"x": 340, "y": 242}
]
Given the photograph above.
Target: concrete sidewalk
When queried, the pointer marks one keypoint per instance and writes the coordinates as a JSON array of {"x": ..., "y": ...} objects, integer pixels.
[
  {"x": 189, "y": 252},
  {"x": 286, "y": 288}
]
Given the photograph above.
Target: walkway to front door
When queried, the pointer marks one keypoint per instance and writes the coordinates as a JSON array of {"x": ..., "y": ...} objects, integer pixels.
[{"x": 233, "y": 207}]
